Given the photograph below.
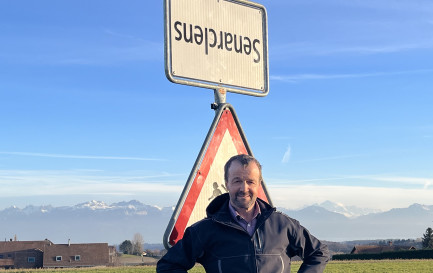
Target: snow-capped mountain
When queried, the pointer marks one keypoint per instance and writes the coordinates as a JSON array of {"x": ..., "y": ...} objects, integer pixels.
[
  {"x": 348, "y": 211},
  {"x": 398, "y": 223},
  {"x": 96, "y": 221},
  {"x": 93, "y": 205}
]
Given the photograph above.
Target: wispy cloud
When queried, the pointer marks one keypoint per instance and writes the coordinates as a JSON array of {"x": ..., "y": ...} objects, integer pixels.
[
  {"x": 418, "y": 6},
  {"x": 424, "y": 182},
  {"x": 166, "y": 186},
  {"x": 286, "y": 156},
  {"x": 76, "y": 46},
  {"x": 378, "y": 197},
  {"x": 284, "y": 51},
  {"x": 377, "y": 180},
  {"x": 306, "y": 77},
  {"x": 281, "y": 137},
  {"x": 88, "y": 182},
  {"x": 123, "y": 36},
  {"x": 80, "y": 156},
  {"x": 108, "y": 55},
  {"x": 337, "y": 157},
  {"x": 376, "y": 49}
]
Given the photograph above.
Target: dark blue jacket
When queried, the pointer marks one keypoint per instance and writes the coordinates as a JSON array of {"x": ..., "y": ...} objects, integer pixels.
[{"x": 221, "y": 245}]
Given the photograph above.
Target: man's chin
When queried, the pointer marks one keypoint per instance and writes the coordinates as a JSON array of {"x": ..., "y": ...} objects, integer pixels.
[
  {"x": 244, "y": 199},
  {"x": 244, "y": 203}
]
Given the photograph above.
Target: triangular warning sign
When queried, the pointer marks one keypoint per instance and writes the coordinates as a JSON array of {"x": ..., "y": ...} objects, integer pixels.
[{"x": 206, "y": 181}]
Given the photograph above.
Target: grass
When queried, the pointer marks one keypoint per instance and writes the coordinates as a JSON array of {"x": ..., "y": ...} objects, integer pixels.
[{"x": 380, "y": 266}]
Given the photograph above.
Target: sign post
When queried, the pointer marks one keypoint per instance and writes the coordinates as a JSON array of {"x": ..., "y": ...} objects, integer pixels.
[{"x": 220, "y": 45}]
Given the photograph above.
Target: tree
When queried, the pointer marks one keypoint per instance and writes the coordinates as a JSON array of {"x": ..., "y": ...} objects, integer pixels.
[
  {"x": 427, "y": 238},
  {"x": 126, "y": 247},
  {"x": 137, "y": 244}
]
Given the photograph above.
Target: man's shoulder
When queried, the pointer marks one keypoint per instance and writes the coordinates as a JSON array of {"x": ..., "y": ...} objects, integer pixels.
[
  {"x": 202, "y": 223},
  {"x": 281, "y": 216}
]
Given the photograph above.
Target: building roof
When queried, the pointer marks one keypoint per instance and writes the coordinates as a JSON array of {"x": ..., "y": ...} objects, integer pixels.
[
  {"x": 11, "y": 246},
  {"x": 369, "y": 249}
]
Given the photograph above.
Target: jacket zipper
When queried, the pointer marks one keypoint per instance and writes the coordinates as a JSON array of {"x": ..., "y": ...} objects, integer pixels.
[{"x": 258, "y": 241}]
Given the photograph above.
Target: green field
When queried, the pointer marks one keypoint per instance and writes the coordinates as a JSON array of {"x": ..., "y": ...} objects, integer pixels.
[{"x": 384, "y": 266}]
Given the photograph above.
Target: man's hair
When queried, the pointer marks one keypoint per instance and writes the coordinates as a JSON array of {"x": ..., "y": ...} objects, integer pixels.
[{"x": 245, "y": 160}]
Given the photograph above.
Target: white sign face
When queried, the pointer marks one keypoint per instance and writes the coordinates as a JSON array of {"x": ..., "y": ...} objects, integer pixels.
[{"x": 217, "y": 43}]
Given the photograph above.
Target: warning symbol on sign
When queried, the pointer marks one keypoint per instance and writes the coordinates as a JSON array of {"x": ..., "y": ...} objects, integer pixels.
[
  {"x": 216, "y": 192},
  {"x": 206, "y": 181}
]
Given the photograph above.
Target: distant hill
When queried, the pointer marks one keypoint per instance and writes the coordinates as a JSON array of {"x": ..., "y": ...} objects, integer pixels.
[
  {"x": 398, "y": 223},
  {"x": 99, "y": 222},
  {"x": 88, "y": 222}
]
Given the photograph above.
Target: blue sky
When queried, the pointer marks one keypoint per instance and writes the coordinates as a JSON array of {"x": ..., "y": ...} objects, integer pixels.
[{"x": 86, "y": 111}]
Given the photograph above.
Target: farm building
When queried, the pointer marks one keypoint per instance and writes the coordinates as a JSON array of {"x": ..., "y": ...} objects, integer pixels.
[
  {"x": 45, "y": 254},
  {"x": 372, "y": 249}
]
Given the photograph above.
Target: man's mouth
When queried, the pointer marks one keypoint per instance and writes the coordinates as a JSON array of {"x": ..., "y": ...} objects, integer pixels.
[{"x": 243, "y": 195}]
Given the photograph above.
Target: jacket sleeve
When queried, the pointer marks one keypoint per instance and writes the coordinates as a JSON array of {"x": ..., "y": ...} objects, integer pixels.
[
  {"x": 182, "y": 256},
  {"x": 315, "y": 254}
]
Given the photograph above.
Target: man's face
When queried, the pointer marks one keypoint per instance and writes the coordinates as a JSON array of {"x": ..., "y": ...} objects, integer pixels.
[{"x": 243, "y": 184}]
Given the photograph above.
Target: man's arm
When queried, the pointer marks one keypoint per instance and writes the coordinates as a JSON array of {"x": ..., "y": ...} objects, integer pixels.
[
  {"x": 182, "y": 256},
  {"x": 315, "y": 255}
]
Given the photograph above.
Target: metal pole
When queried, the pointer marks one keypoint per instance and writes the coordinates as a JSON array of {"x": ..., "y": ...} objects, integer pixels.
[{"x": 220, "y": 98}]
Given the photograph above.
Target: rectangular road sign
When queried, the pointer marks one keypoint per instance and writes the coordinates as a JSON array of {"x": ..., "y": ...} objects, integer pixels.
[{"x": 217, "y": 43}]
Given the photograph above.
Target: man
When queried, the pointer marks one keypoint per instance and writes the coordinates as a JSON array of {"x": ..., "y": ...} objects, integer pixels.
[{"x": 242, "y": 233}]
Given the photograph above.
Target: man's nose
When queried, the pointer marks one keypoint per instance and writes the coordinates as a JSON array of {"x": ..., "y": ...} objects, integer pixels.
[{"x": 244, "y": 186}]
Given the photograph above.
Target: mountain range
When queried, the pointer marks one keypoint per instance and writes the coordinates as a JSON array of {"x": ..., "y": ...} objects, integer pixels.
[{"x": 96, "y": 221}]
